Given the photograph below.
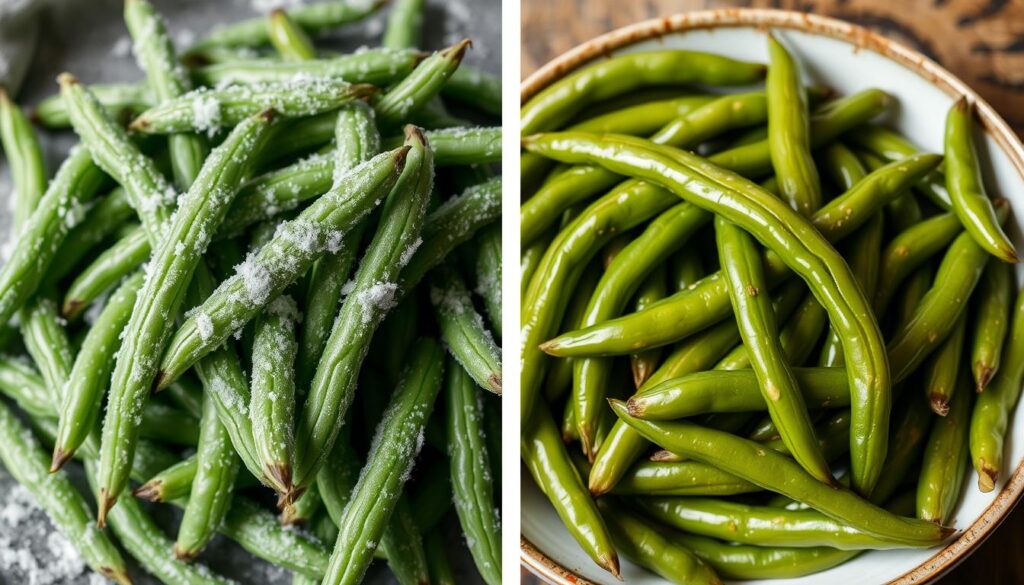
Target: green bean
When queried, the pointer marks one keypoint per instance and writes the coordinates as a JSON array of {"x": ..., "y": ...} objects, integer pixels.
[
  {"x": 774, "y": 471},
  {"x": 392, "y": 342},
  {"x": 560, "y": 101},
  {"x": 644, "y": 118},
  {"x": 409, "y": 94},
  {"x": 405, "y": 25},
  {"x": 167, "y": 275},
  {"x": 706, "y": 301},
  {"x": 842, "y": 165},
  {"x": 212, "y": 487},
  {"x": 916, "y": 287},
  {"x": 207, "y": 110},
  {"x": 393, "y": 450},
  {"x": 173, "y": 483},
  {"x": 380, "y": 67},
  {"x": 655, "y": 549},
  {"x": 940, "y": 308},
  {"x": 742, "y": 268},
  {"x": 942, "y": 375},
  {"x": 803, "y": 249},
  {"x": 579, "y": 183},
  {"x": 643, "y": 364},
  {"x": 909, "y": 250},
  {"x": 471, "y": 481},
  {"x": 317, "y": 230},
  {"x": 313, "y": 18},
  {"x": 403, "y": 544},
  {"x": 992, "y": 411},
  {"x": 272, "y": 404},
  {"x": 760, "y": 525},
  {"x": 993, "y": 307},
  {"x": 39, "y": 239},
  {"x": 789, "y": 132},
  {"x": 288, "y": 38},
  {"x": 26, "y": 461},
  {"x": 549, "y": 464},
  {"x": 946, "y": 458},
  {"x": 892, "y": 146},
  {"x": 475, "y": 88},
  {"x": 488, "y": 274},
  {"x": 90, "y": 373},
  {"x": 121, "y": 259},
  {"x": 47, "y": 343},
  {"x": 967, "y": 188},
  {"x": 559, "y": 377},
  {"x": 122, "y": 101},
  {"x": 374, "y": 293},
  {"x": 763, "y": 562},
  {"x": 461, "y": 145},
  {"x": 262, "y": 535},
  {"x": 629, "y": 204},
  {"x": 438, "y": 563},
  {"x": 433, "y": 115},
  {"x": 462, "y": 329},
  {"x": 100, "y": 221},
  {"x": 24, "y": 157},
  {"x": 731, "y": 391}
]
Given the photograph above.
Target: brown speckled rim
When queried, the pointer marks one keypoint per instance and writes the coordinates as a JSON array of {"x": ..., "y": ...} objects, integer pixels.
[{"x": 997, "y": 128}]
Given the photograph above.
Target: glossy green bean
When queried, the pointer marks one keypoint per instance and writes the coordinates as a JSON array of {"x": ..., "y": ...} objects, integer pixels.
[
  {"x": 910, "y": 249},
  {"x": 375, "y": 292},
  {"x": 472, "y": 485},
  {"x": 462, "y": 329},
  {"x": 992, "y": 411},
  {"x": 789, "y": 139},
  {"x": 393, "y": 450},
  {"x": 279, "y": 263},
  {"x": 272, "y": 402},
  {"x": 557, "y": 103},
  {"x": 212, "y": 486},
  {"x": 892, "y": 146},
  {"x": 654, "y": 549},
  {"x": 763, "y": 562},
  {"x": 774, "y": 471},
  {"x": 940, "y": 308},
  {"x": 26, "y": 461},
  {"x": 655, "y": 288},
  {"x": 946, "y": 458},
  {"x": 802, "y": 247},
  {"x": 967, "y": 188},
  {"x": 992, "y": 311},
  {"x": 941, "y": 378}
]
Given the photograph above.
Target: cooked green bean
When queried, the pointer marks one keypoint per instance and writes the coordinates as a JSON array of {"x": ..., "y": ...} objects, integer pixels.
[
  {"x": 317, "y": 230},
  {"x": 272, "y": 403},
  {"x": 463, "y": 330},
  {"x": 789, "y": 141},
  {"x": 995, "y": 291},
  {"x": 946, "y": 457},
  {"x": 942, "y": 375},
  {"x": 26, "y": 461},
  {"x": 891, "y": 146},
  {"x": 560, "y": 101},
  {"x": 655, "y": 288},
  {"x": 380, "y": 67},
  {"x": 992, "y": 411},
  {"x": 967, "y": 188},
  {"x": 394, "y": 448},
  {"x": 779, "y": 473},
  {"x": 763, "y": 562},
  {"x": 908, "y": 250},
  {"x": 472, "y": 485},
  {"x": 208, "y": 110}
]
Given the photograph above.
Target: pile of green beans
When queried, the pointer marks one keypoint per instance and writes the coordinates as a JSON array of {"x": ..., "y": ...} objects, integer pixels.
[
  {"x": 808, "y": 275},
  {"x": 240, "y": 251}
]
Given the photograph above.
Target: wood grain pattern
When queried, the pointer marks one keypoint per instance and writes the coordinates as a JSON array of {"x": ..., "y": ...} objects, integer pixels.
[{"x": 980, "y": 41}]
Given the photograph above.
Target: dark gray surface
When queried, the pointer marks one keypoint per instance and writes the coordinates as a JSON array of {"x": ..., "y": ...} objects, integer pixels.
[{"x": 88, "y": 38}]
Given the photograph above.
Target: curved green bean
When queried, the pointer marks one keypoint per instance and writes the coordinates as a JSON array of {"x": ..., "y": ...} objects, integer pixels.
[
  {"x": 909, "y": 250},
  {"x": 420, "y": 86},
  {"x": 991, "y": 322},
  {"x": 119, "y": 260}
]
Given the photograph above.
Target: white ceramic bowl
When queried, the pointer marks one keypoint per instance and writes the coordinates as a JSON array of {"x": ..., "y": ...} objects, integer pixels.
[{"x": 847, "y": 58}]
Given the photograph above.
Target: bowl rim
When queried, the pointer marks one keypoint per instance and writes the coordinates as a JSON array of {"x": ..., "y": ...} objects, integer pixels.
[{"x": 863, "y": 39}]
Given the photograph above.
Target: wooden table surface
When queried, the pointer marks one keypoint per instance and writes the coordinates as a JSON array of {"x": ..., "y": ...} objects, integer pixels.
[{"x": 982, "y": 42}]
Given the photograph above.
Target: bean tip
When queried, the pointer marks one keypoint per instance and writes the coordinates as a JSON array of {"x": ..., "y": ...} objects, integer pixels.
[
  {"x": 183, "y": 555},
  {"x": 401, "y": 153},
  {"x": 983, "y": 375},
  {"x": 105, "y": 504},
  {"x": 610, "y": 563},
  {"x": 986, "y": 477},
  {"x": 280, "y": 477},
  {"x": 635, "y": 407},
  {"x": 161, "y": 381},
  {"x": 119, "y": 576},
  {"x": 414, "y": 132},
  {"x": 458, "y": 50},
  {"x": 964, "y": 104},
  {"x": 549, "y": 347},
  {"x": 939, "y": 403},
  {"x": 70, "y": 308},
  {"x": 139, "y": 124},
  {"x": 494, "y": 383},
  {"x": 60, "y": 458},
  {"x": 66, "y": 79},
  {"x": 149, "y": 491},
  {"x": 267, "y": 115}
]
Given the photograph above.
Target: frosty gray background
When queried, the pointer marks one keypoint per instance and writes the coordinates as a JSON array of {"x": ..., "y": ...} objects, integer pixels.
[{"x": 88, "y": 38}]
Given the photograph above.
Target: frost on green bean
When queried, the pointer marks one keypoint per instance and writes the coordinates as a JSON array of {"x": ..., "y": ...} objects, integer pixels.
[
  {"x": 318, "y": 230},
  {"x": 463, "y": 330},
  {"x": 208, "y": 110},
  {"x": 422, "y": 85},
  {"x": 379, "y": 67}
]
